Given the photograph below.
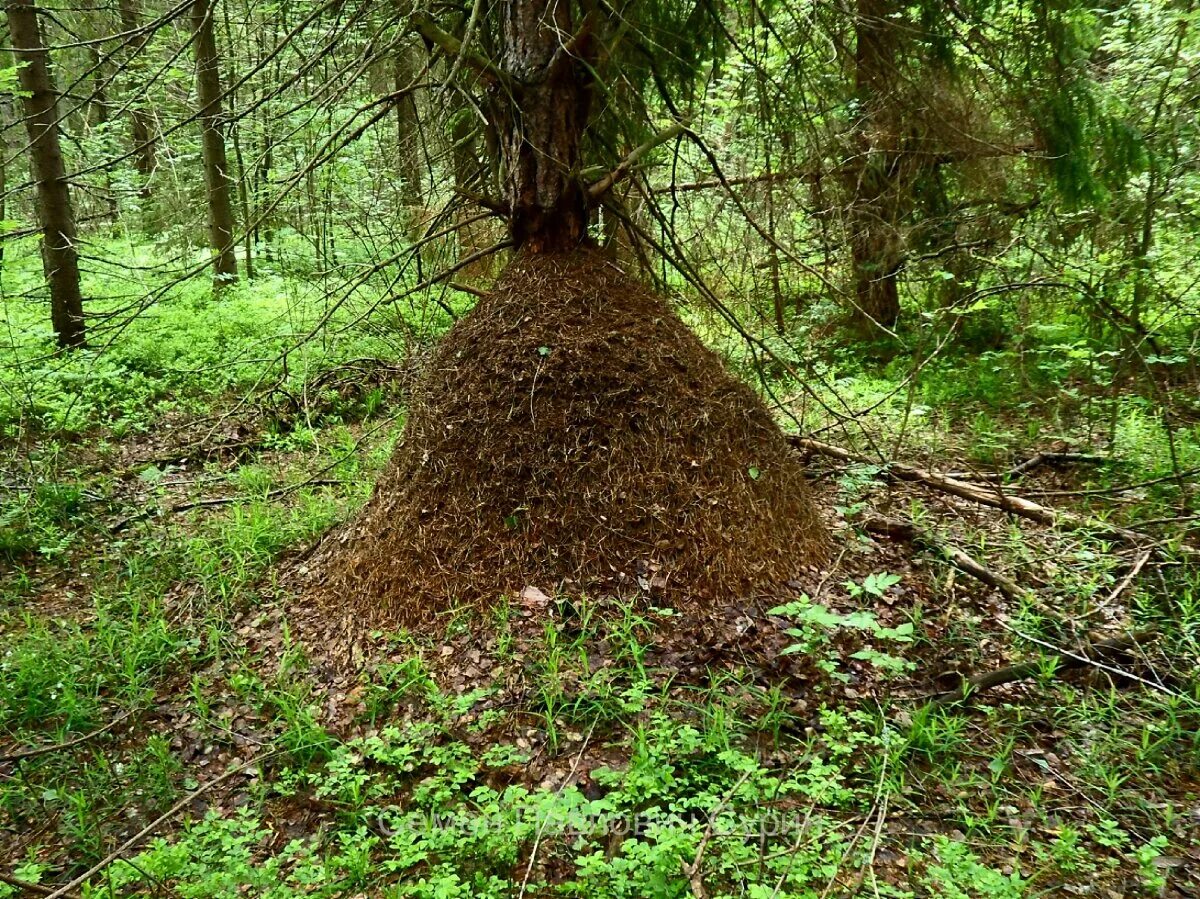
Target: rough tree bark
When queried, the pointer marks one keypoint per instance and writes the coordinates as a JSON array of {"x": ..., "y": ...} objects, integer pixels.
[
  {"x": 218, "y": 184},
  {"x": 873, "y": 218},
  {"x": 407, "y": 129},
  {"x": 60, "y": 259},
  {"x": 542, "y": 124},
  {"x": 142, "y": 133}
]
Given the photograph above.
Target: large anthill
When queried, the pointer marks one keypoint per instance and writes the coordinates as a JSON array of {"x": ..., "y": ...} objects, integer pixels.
[{"x": 571, "y": 428}]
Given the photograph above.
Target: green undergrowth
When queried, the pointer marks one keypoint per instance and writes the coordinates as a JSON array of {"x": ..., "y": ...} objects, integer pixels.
[
  {"x": 901, "y": 807},
  {"x": 179, "y": 346},
  {"x": 1074, "y": 784},
  {"x": 607, "y": 777}
]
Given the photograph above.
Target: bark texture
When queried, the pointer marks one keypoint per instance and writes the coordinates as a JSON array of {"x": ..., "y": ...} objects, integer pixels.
[
  {"x": 408, "y": 126},
  {"x": 216, "y": 166},
  {"x": 543, "y": 121},
  {"x": 60, "y": 260},
  {"x": 874, "y": 212},
  {"x": 141, "y": 126}
]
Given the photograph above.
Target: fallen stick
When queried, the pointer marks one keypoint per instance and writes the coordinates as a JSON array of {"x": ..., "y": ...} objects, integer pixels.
[
  {"x": 906, "y": 530},
  {"x": 26, "y": 885},
  {"x": 1066, "y": 661},
  {"x": 1037, "y": 460},
  {"x": 537, "y": 840},
  {"x": 960, "y": 560},
  {"x": 153, "y": 826},
  {"x": 692, "y": 871},
  {"x": 215, "y": 501},
  {"x": 55, "y": 747},
  {"x": 996, "y": 499},
  {"x": 1097, "y": 663},
  {"x": 1120, "y": 488},
  {"x": 1133, "y": 572}
]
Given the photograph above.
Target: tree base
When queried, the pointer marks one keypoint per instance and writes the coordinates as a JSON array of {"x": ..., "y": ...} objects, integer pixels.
[{"x": 572, "y": 434}]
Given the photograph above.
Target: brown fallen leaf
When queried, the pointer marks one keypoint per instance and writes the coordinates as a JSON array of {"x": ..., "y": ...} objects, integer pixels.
[{"x": 532, "y": 597}]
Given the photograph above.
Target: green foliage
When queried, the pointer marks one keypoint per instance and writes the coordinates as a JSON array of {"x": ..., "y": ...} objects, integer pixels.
[
  {"x": 819, "y": 624},
  {"x": 57, "y": 673},
  {"x": 41, "y": 522},
  {"x": 457, "y": 835},
  {"x": 958, "y": 874},
  {"x": 1034, "y": 171},
  {"x": 174, "y": 356}
]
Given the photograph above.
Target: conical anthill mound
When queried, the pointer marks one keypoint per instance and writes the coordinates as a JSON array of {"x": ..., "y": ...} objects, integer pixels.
[{"x": 572, "y": 429}]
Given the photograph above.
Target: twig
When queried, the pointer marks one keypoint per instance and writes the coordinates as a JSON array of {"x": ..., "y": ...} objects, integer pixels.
[
  {"x": 598, "y": 189},
  {"x": 1121, "y": 488},
  {"x": 26, "y": 885},
  {"x": 313, "y": 480},
  {"x": 1010, "y": 588},
  {"x": 155, "y": 824},
  {"x": 1133, "y": 572},
  {"x": 537, "y": 841},
  {"x": 879, "y": 807},
  {"x": 1035, "y": 461},
  {"x": 54, "y": 747},
  {"x": 467, "y": 288},
  {"x": 432, "y": 32},
  {"x": 1174, "y": 519},
  {"x": 1067, "y": 661},
  {"x": 906, "y": 530},
  {"x": 1015, "y": 505},
  {"x": 692, "y": 871},
  {"x": 1082, "y": 660},
  {"x": 214, "y": 501}
]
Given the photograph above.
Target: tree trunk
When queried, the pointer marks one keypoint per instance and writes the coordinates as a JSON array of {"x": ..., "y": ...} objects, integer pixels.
[
  {"x": 876, "y": 262},
  {"x": 243, "y": 188},
  {"x": 407, "y": 130},
  {"x": 762, "y": 89},
  {"x": 142, "y": 132},
  {"x": 542, "y": 125},
  {"x": 874, "y": 241},
  {"x": 467, "y": 167},
  {"x": 101, "y": 118},
  {"x": 264, "y": 220},
  {"x": 59, "y": 257},
  {"x": 6, "y": 118},
  {"x": 216, "y": 165}
]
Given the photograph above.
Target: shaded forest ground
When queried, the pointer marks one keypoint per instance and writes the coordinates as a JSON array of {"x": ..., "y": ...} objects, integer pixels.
[{"x": 161, "y": 500}]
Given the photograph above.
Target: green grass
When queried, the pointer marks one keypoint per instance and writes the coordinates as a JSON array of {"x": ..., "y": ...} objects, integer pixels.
[
  {"x": 1068, "y": 782},
  {"x": 184, "y": 346}
]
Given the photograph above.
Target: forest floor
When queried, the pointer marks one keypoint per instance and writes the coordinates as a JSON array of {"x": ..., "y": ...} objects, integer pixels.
[{"x": 174, "y": 724}]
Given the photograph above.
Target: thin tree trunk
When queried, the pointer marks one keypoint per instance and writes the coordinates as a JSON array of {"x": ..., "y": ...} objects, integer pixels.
[
  {"x": 764, "y": 110},
  {"x": 263, "y": 228},
  {"x": 101, "y": 119},
  {"x": 60, "y": 259},
  {"x": 216, "y": 165},
  {"x": 5, "y": 119},
  {"x": 1145, "y": 241},
  {"x": 407, "y": 130},
  {"x": 235, "y": 134},
  {"x": 141, "y": 125},
  {"x": 874, "y": 243}
]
